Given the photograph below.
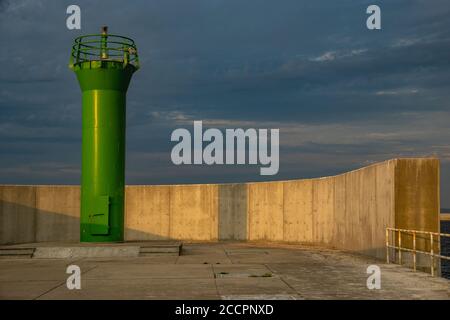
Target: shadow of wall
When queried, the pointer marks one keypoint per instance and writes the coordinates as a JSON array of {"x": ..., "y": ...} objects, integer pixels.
[
  {"x": 46, "y": 214},
  {"x": 39, "y": 213}
]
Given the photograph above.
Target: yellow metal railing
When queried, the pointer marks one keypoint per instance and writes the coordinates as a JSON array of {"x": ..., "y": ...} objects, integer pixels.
[{"x": 429, "y": 236}]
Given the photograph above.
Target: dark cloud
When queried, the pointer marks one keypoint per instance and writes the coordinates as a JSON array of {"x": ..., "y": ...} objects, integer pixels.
[{"x": 341, "y": 95}]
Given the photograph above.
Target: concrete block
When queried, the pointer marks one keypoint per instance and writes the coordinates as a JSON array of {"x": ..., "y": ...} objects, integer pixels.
[
  {"x": 298, "y": 215},
  {"x": 265, "y": 211},
  {"x": 417, "y": 204},
  {"x": 57, "y": 213},
  {"x": 147, "y": 212},
  {"x": 17, "y": 214},
  {"x": 233, "y": 212},
  {"x": 194, "y": 212},
  {"x": 323, "y": 210}
]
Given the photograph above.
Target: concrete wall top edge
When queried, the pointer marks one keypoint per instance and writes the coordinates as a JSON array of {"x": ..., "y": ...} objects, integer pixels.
[
  {"x": 237, "y": 183},
  {"x": 41, "y": 185}
]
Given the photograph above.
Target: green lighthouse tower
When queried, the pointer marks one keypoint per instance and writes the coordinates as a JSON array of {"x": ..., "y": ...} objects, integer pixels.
[{"x": 104, "y": 64}]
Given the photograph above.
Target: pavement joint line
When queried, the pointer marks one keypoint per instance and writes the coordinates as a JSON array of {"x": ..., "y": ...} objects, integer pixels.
[
  {"x": 226, "y": 253},
  {"x": 215, "y": 282},
  {"x": 151, "y": 278},
  {"x": 26, "y": 281},
  {"x": 60, "y": 284},
  {"x": 84, "y": 272},
  {"x": 75, "y": 261},
  {"x": 285, "y": 282},
  {"x": 178, "y": 257},
  {"x": 49, "y": 290}
]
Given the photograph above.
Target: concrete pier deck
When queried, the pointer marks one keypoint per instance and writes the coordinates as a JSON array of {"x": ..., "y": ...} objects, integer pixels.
[{"x": 219, "y": 271}]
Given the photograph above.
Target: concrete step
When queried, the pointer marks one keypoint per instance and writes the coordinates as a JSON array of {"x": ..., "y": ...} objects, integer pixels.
[
  {"x": 92, "y": 251},
  {"x": 16, "y": 253},
  {"x": 156, "y": 249}
]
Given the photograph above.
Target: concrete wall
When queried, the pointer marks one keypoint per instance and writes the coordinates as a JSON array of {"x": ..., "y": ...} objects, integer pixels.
[
  {"x": 171, "y": 212},
  {"x": 349, "y": 211},
  {"x": 39, "y": 213}
]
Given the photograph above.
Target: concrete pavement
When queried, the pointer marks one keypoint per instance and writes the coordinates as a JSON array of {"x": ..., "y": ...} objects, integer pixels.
[{"x": 219, "y": 271}]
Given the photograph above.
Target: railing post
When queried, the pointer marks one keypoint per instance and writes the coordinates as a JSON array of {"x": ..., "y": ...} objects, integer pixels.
[
  {"x": 414, "y": 250},
  {"x": 78, "y": 52},
  {"x": 126, "y": 55},
  {"x": 397, "y": 238},
  {"x": 432, "y": 254},
  {"x": 387, "y": 245},
  {"x": 104, "y": 43}
]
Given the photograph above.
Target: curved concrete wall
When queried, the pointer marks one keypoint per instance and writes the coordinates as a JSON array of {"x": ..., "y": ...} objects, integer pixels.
[{"x": 349, "y": 211}]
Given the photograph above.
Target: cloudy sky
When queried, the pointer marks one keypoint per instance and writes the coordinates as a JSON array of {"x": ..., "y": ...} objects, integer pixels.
[{"x": 342, "y": 96}]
